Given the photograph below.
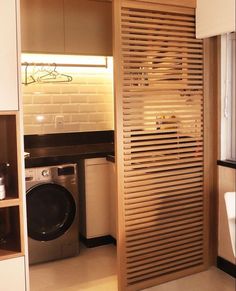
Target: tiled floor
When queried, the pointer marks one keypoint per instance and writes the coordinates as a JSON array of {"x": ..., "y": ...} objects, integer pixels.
[{"x": 95, "y": 270}]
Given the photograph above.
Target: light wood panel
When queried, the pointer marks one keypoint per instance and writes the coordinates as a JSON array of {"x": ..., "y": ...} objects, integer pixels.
[
  {"x": 42, "y": 26},
  {"x": 159, "y": 87},
  {"x": 88, "y": 29}
]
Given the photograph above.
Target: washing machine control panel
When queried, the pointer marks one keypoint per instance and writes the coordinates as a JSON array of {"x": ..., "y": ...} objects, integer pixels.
[
  {"x": 38, "y": 174},
  {"x": 45, "y": 173}
]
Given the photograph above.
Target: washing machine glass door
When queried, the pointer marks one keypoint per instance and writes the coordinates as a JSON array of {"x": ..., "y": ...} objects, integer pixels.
[{"x": 51, "y": 210}]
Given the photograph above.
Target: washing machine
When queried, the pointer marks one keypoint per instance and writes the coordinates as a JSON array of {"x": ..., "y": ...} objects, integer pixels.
[{"x": 52, "y": 212}]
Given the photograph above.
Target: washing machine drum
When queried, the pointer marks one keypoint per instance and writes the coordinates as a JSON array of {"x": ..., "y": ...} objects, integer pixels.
[{"x": 51, "y": 210}]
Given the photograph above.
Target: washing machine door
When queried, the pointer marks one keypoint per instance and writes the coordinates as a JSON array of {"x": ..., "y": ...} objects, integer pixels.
[{"x": 51, "y": 210}]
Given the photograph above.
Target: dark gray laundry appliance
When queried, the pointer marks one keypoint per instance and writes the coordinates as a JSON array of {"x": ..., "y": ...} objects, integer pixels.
[{"x": 52, "y": 212}]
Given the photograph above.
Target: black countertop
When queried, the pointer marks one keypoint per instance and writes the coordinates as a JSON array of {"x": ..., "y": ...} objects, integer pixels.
[
  {"x": 56, "y": 149},
  {"x": 47, "y": 156}
]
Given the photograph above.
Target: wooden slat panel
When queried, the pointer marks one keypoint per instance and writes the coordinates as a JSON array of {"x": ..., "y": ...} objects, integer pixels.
[
  {"x": 157, "y": 14},
  {"x": 130, "y": 23},
  {"x": 155, "y": 253},
  {"x": 165, "y": 219},
  {"x": 160, "y": 109},
  {"x": 185, "y": 25},
  {"x": 161, "y": 44},
  {"x": 142, "y": 5},
  {"x": 181, "y": 3}
]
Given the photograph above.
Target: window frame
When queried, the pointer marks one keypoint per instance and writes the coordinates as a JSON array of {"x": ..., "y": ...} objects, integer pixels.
[{"x": 228, "y": 98}]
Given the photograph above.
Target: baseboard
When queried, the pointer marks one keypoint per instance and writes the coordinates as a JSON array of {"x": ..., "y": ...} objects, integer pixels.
[
  {"x": 97, "y": 241},
  {"x": 226, "y": 266}
]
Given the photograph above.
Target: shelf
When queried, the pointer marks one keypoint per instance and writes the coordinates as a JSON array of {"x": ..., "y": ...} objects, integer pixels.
[
  {"x": 11, "y": 113},
  {"x": 8, "y": 153},
  {"x": 5, "y": 254},
  {"x": 10, "y": 234},
  {"x": 8, "y": 202}
]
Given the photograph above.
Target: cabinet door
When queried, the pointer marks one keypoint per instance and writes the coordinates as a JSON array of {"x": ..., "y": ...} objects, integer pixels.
[
  {"x": 42, "y": 27},
  {"x": 8, "y": 56},
  {"x": 97, "y": 197},
  {"x": 12, "y": 275},
  {"x": 113, "y": 199},
  {"x": 88, "y": 27}
]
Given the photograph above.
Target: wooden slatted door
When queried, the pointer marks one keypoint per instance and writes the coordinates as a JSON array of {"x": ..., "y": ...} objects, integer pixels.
[{"x": 162, "y": 220}]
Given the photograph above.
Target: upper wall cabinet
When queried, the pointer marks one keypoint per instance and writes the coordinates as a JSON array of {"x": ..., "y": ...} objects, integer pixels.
[
  {"x": 8, "y": 56},
  {"x": 42, "y": 26},
  {"x": 214, "y": 17},
  {"x": 88, "y": 27},
  {"x": 67, "y": 26}
]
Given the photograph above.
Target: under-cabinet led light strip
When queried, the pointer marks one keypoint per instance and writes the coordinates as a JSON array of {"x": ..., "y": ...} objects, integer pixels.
[{"x": 46, "y": 60}]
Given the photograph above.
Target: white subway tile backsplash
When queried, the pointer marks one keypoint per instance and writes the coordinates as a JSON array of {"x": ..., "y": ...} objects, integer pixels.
[
  {"x": 53, "y": 88},
  {"x": 61, "y": 99},
  {"x": 28, "y": 99},
  {"x": 86, "y": 104},
  {"x": 51, "y": 108},
  {"x": 81, "y": 117},
  {"x": 78, "y": 98},
  {"x": 28, "y": 119},
  {"x": 96, "y": 98},
  {"x": 32, "y": 109},
  {"x": 70, "y": 108},
  {"x": 42, "y": 99},
  {"x": 96, "y": 117},
  {"x": 87, "y": 108},
  {"x": 87, "y": 89},
  {"x": 87, "y": 126}
]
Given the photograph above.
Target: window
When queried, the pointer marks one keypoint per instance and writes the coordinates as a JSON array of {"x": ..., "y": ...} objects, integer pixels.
[{"x": 228, "y": 100}]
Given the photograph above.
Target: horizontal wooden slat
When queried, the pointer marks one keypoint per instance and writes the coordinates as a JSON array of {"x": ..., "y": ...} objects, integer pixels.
[
  {"x": 139, "y": 179},
  {"x": 168, "y": 94},
  {"x": 127, "y": 23},
  {"x": 168, "y": 195},
  {"x": 186, "y": 25},
  {"x": 162, "y": 242},
  {"x": 157, "y": 72},
  {"x": 161, "y": 229},
  {"x": 171, "y": 249},
  {"x": 150, "y": 7},
  {"x": 163, "y": 190},
  {"x": 151, "y": 179},
  {"x": 163, "y": 259},
  {"x": 140, "y": 217},
  {"x": 160, "y": 147},
  {"x": 160, "y": 186},
  {"x": 150, "y": 220},
  {"x": 174, "y": 266},
  {"x": 166, "y": 219},
  {"x": 172, "y": 38},
  {"x": 148, "y": 210},
  {"x": 180, "y": 228},
  {"x": 161, "y": 44},
  {"x": 157, "y": 14},
  {"x": 180, "y": 3}
]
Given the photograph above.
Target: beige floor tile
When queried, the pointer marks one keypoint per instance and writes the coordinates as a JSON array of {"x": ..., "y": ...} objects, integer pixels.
[
  {"x": 95, "y": 270},
  {"x": 210, "y": 280}
]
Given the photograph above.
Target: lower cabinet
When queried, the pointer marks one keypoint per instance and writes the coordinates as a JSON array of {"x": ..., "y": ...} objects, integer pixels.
[
  {"x": 94, "y": 199},
  {"x": 113, "y": 199},
  {"x": 97, "y": 198},
  {"x": 12, "y": 274}
]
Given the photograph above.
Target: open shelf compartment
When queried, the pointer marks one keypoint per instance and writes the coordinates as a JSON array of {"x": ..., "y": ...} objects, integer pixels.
[
  {"x": 10, "y": 237},
  {"x": 8, "y": 154}
]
